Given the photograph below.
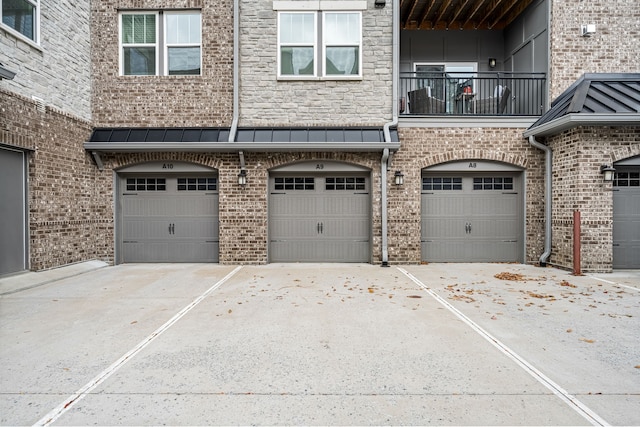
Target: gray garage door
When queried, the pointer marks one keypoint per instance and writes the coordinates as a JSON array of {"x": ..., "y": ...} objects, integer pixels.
[
  {"x": 472, "y": 217},
  {"x": 626, "y": 217},
  {"x": 319, "y": 218},
  {"x": 12, "y": 211},
  {"x": 169, "y": 218}
]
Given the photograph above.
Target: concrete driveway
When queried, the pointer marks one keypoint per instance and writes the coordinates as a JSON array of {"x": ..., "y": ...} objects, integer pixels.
[{"x": 197, "y": 344}]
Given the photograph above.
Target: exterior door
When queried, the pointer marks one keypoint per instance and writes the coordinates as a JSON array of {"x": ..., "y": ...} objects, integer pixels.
[
  {"x": 169, "y": 218},
  {"x": 626, "y": 217},
  {"x": 471, "y": 217},
  {"x": 319, "y": 218},
  {"x": 13, "y": 208}
]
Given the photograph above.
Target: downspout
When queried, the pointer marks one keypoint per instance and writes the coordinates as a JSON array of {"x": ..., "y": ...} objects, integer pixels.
[
  {"x": 236, "y": 74},
  {"x": 384, "y": 165},
  {"x": 544, "y": 258}
]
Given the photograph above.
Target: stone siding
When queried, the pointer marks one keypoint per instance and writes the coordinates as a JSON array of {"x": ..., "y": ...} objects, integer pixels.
[
  {"x": 612, "y": 49},
  {"x": 267, "y": 101},
  {"x": 578, "y": 186},
  {"x": 58, "y": 70},
  {"x": 424, "y": 147},
  {"x": 163, "y": 101},
  {"x": 70, "y": 216}
]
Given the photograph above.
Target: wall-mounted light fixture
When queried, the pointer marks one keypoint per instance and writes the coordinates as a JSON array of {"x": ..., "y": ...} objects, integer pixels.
[
  {"x": 398, "y": 178},
  {"x": 607, "y": 172},
  {"x": 242, "y": 178},
  {"x": 380, "y": 4},
  {"x": 588, "y": 30},
  {"x": 492, "y": 62}
]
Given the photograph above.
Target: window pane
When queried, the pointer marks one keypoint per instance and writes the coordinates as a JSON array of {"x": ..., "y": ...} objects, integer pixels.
[
  {"x": 297, "y": 28},
  {"x": 138, "y": 29},
  {"x": 342, "y": 60},
  {"x": 139, "y": 61},
  {"x": 296, "y": 61},
  {"x": 183, "y": 28},
  {"x": 19, "y": 15},
  {"x": 184, "y": 60},
  {"x": 342, "y": 28}
]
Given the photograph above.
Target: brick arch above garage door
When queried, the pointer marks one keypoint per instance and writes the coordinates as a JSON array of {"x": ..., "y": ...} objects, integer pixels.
[
  {"x": 119, "y": 161},
  {"x": 500, "y": 157}
]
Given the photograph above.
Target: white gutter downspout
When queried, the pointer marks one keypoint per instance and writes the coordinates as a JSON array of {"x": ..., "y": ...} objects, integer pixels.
[
  {"x": 384, "y": 166},
  {"x": 236, "y": 74},
  {"x": 547, "y": 199}
]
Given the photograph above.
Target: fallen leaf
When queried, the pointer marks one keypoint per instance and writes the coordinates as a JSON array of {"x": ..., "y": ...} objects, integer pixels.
[
  {"x": 567, "y": 284},
  {"x": 569, "y": 330},
  {"x": 509, "y": 276},
  {"x": 414, "y": 296},
  {"x": 371, "y": 290},
  {"x": 587, "y": 340},
  {"x": 134, "y": 322}
]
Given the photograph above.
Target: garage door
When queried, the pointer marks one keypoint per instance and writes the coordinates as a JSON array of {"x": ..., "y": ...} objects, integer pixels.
[
  {"x": 472, "y": 217},
  {"x": 319, "y": 218},
  {"x": 169, "y": 218},
  {"x": 626, "y": 217},
  {"x": 12, "y": 211}
]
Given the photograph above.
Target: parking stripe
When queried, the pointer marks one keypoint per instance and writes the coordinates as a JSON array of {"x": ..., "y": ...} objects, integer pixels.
[
  {"x": 615, "y": 283},
  {"x": 570, "y": 400},
  {"x": 59, "y": 410}
]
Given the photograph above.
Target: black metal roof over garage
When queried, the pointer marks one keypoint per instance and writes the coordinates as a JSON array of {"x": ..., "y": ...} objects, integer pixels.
[{"x": 595, "y": 99}]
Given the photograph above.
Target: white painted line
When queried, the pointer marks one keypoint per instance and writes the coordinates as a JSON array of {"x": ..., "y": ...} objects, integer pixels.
[
  {"x": 616, "y": 284},
  {"x": 570, "y": 400},
  {"x": 59, "y": 410}
]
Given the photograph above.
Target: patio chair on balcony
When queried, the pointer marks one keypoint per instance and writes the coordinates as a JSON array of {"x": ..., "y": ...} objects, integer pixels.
[
  {"x": 495, "y": 104},
  {"x": 421, "y": 102}
]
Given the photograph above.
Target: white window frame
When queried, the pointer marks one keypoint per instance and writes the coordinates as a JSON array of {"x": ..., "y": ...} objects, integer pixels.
[
  {"x": 314, "y": 45},
  {"x": 319, "y": 8},
  {"x": 325, "y": 45},
  {"x": 36, "y": 25},
  {"x": 122, "y": 45},
  {"x": 167, "y": 45},
  {"x": 161, "y": 46}
]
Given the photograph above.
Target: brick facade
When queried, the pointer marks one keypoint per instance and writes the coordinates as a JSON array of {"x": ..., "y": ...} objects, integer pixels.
[
  {"x": 578, "y": 186},
  {"x": 163, "y": 101},
  {"x": 612, "y": 49}
]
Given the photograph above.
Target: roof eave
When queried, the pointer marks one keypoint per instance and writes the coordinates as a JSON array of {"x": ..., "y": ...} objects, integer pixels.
[
  {"x": 221, "y": 147},
  {"x": 573, "y": 120}
]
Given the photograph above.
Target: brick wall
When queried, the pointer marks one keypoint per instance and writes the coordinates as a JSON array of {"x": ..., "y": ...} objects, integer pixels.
[
  {"x": 143, "y": 101},
  {"x": 612, "y": 49},
  {"x": 70, "y": 216},
  {"x": 424, "y": 147},
  {"x": 578, "y": 185},
  {"x": 58, "y": 70},
  {"x": 265, "y": 101}
]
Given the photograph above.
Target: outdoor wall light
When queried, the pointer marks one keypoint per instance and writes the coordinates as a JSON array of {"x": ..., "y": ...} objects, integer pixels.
[
  {"x": 492, "y": 62},
  {"x": 399, "y": 178},
  {"x": 242, "y": 178},
  {"x": 380, "y": 4},
  {"x": 607, "y": 172}
]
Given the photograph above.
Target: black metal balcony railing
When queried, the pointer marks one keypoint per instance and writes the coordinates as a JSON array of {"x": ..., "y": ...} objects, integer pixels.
[{"x": 477, "y": 93}]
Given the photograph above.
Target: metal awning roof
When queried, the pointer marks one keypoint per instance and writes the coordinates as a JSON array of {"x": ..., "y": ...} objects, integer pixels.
[
  {"x": 596, "y": 99},
  {"x": 247, "y": 139}
]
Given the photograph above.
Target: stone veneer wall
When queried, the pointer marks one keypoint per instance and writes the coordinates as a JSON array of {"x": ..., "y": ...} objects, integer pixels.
[
  {"x": 266, "y": 101},
  {"x": 243, "y": 211},
  {"x": 163, "y": 101},
  {"x": 58, "y": 70},
  {"x": 578, "y": 185},
  {"x": 612, "y": 49},
  {"x": 424, "y": 147},
  {"x": 69, "y": 215}
]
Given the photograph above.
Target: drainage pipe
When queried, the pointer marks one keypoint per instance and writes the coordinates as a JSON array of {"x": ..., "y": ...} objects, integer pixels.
[
  {"x": 384, "y": 164},
  {"x": 544, "y": 258},
  {"x": 236, "y": 71}
]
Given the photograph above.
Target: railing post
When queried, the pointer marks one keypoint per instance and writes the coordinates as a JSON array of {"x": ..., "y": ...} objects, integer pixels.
[{"x": 576, "y": 243}]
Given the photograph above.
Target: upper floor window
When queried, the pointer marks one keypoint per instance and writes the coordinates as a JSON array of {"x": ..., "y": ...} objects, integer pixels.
[
  {"x": 160, "y": 43},
  {"x": 320, "y": 44},
  {"x": 22, "y": 17}
]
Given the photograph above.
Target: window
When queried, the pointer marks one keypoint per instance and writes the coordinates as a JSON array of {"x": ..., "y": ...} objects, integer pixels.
[
  {"x": 627, "y": 179},
  {"x": 345, "y": 183},
  {"x": 447, "y": 82},
  {"x": 326, "y": 44},
  {"x": 160, "y": 43},
  {"x": 294, "y": 183},
  {"x": 441, "y": 183},
  {"x": 197, "y": 184},
  {"x": 492, "y": 183},
  {"x": 22, "y": 17},
  {"x": 146, "y": 184}
]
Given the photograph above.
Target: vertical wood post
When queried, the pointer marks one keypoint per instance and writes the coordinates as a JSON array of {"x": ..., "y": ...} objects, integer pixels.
[{"x": 576, "y": 243}]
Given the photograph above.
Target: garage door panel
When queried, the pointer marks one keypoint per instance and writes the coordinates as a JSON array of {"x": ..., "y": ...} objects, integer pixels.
[
  {"x": 345, "y": 227},
  {"x": 13, "y": 206},
  {"x": 626, "y": 220}
]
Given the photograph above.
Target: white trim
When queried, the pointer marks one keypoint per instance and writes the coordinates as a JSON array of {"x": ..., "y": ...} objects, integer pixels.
[
  {"x": 121, "y": 45},
  {"x": 324, "y": 48},
  {"x": 167, "y": 45},
  {"x": 319, "y": 5},
  {"x": 313, "y": 76},
  {"x": 570, "y": 121}
]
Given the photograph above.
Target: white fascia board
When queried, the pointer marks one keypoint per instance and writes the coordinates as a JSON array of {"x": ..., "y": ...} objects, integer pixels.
[
  {"x": 570, "y": 121},
  {"x": 319, "y": 5}
]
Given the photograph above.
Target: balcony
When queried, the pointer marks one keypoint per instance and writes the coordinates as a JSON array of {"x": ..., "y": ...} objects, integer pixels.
[{"x": 472, "y": 94}]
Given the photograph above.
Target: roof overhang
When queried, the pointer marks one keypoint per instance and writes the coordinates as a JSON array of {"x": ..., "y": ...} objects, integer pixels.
[{"x": 573, "y": 120}]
